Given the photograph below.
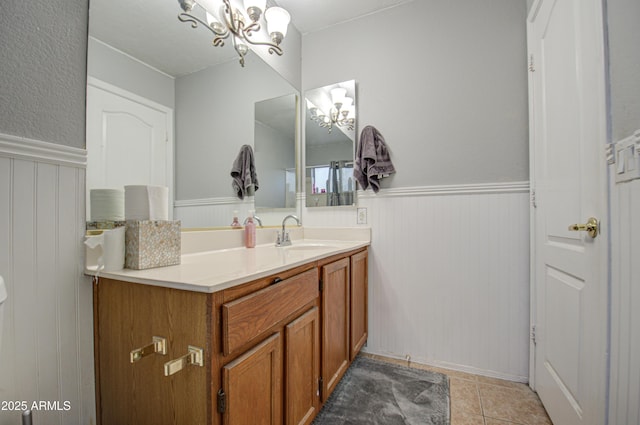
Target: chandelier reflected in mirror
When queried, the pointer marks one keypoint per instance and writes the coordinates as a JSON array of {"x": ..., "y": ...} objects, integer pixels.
[
  {"x": 227, "y": 19},
  {"x": 341, "y": 112}
]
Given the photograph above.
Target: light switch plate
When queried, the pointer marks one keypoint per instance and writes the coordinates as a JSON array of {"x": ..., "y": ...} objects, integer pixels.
[{"x": 362, "y": 216}]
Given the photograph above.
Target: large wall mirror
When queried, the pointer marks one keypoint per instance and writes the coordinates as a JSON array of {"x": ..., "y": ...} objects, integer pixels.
[
  {"x": 212, "y": 106},
  {"x": 330, "y": 137}
]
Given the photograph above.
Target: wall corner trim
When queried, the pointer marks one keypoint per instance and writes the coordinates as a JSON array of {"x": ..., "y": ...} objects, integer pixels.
[
  {"x": 439, "y": 190},
  {"x": 35, "y": 150}
]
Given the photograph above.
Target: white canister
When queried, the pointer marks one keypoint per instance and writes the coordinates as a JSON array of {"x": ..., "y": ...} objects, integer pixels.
[{"x": 107, "y": 249}]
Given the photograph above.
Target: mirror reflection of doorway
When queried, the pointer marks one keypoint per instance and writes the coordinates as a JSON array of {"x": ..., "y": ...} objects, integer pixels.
[{"x": 129, "y": 141}]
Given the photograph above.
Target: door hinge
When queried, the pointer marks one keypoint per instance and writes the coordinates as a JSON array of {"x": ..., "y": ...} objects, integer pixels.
[
  {"x": 533, "y": 334},
  {"x": 321, "y": 285},
  {"x": 533, "y": 199},
  {"x": 320, "y": 385},
  {"x": 222, "y": 401},
  {"x": 532, "y": 67}
]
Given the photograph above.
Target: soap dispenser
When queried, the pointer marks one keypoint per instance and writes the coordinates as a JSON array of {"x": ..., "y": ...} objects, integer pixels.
[
  {"x": 250, "y": 232},
  {"x": 235, "y": 224}
]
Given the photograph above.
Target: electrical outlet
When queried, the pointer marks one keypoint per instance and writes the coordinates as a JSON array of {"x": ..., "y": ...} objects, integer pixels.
[{"x": 362, "y": 216}]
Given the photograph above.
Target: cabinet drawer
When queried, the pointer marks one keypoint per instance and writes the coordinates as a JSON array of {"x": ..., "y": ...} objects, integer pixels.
[{"x": 248, "y": 317}]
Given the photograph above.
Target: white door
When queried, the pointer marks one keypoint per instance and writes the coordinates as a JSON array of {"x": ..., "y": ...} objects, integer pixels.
[
  {"x": 129, "y": 140},
  {"x": 569, "y": 268}
]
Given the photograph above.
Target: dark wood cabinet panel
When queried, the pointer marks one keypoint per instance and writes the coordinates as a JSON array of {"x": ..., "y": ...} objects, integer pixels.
[
  {"x": 359, "y": 303},
  {"x": 302, "y": 368},
  {"x": 129, "y": 315},
  {"x": 253, "y": 385},
  {"x": 248, "y": 317},
  {"x": 335, "y": 323}
]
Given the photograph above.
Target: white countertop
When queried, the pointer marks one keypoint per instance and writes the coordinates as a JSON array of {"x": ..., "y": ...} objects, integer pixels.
[{"x": 213, "y": 270}]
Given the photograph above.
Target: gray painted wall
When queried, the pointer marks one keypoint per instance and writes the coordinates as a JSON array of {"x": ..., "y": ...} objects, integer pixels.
[
  {"x": 214, "y": 118},
  {"x": 624, "y": 66},
  {"x": 43, "y": 70},
  {"x": 114, "y": 67},
  {"x": 448, "y": 88},
  {"x": 274, "y": 153},
  {"x": 289, "y": 64}
]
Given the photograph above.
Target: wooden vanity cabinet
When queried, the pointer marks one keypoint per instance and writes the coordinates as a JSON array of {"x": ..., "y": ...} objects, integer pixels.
[
  {"x": 284, "y": 369},
  {"x": 271, "y": 347},
  {"x": 344, "y": 315}
]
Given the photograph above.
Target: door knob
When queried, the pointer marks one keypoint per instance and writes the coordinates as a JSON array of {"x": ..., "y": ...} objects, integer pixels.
[{"x": 592, "y": 227}]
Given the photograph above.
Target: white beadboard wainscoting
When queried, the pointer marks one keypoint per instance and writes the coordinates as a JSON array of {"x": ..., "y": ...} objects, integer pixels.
[
  {"x": 47, "y": 347},
  {"x": 216, "y": 212},
  {"x": 448, "y": 274},
  {"x": 625, "y": 299}
]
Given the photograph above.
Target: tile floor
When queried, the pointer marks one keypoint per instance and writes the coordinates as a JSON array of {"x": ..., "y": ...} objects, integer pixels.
[{"x": 478, "y": 400}]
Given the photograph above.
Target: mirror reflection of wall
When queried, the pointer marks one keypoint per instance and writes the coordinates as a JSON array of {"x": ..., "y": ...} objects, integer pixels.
[
  {"x": 215, "y": 111},
  {"x": 275, "y": 152},
  {"x": 149, "y": 53},
  {"x": 330, "y": 136}
]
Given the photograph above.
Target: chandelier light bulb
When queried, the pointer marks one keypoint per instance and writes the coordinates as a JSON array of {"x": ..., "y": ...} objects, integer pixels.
[
  {"x": 215, "y": 23},
  {"x": 255, "y": 8},
  {"x": 187, "y": 5},
  {"x": 277, "y": 23},
  {"x": 347, "y": 103},
  {"x": 337, "y": 96},
  {"x": 241, "y": 47}
]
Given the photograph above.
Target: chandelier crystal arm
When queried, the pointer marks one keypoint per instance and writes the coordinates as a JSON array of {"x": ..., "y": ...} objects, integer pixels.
[{"x": 220, "y": 36}]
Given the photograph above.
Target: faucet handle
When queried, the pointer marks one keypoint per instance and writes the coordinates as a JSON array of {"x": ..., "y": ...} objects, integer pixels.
[{"x": 286, "y": 237}]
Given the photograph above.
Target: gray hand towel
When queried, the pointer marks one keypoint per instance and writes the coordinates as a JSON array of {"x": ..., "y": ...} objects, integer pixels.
[
  {"x": 372, "y": 159},
  {"x": 243, "y": 171}
]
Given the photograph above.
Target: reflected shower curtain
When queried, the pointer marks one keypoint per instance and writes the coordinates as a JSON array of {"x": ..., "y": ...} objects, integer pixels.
[{"x": 340, "y": 183}]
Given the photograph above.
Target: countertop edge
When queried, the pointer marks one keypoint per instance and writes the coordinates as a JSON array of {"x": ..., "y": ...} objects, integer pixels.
[{"x": 216, "y": 284}]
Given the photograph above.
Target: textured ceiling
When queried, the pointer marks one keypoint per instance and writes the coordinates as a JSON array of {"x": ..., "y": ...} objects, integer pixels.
[{"x": 150, "y": 31}]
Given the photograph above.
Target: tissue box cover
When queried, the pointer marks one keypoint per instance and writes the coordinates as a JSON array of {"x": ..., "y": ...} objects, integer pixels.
[{"x": 151, "y": 243}]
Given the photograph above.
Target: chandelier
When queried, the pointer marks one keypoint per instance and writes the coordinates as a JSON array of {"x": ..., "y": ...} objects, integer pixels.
[
  {"x": 226, "y": 20},
  {"x": 341, "y": 112}
]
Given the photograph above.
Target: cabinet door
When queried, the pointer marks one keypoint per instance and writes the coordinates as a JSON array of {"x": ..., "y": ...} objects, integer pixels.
[
  {"x": 253, "y": 385},
  {"x": 335, "y": 323},
  {"x": 128, "y": 316},
  {"x": 302, "y": 368},
  {"x": 359, "y": 292}
]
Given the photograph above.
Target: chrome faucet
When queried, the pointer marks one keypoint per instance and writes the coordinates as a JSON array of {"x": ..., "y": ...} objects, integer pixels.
[
  {"x": 256, "y": 218},
  {"x": 283, "y": 239}
]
